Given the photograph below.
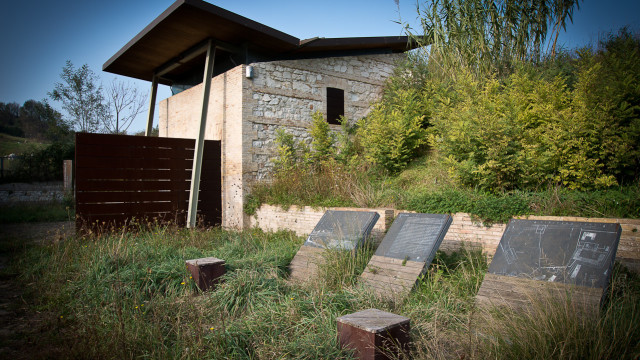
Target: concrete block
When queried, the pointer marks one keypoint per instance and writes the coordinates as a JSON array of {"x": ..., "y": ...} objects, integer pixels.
[
  {"x": 374, "y": 334},
  {"x": 206, "y": 272}
]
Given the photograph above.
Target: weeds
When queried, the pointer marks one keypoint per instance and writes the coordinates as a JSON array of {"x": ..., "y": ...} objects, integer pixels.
[
  {"x": 128, "y": 295},
  {"x": 554, "y": 328},
  {"x": 425, "y": 186},
  {"x": 38, "y": 212}
]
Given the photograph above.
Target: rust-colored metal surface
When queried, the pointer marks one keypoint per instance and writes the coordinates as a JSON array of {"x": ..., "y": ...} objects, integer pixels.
[
  {"x": 122, "y": 180},
  {"x": 206, "y": 272},
  {"x": 374, "y": 334}
]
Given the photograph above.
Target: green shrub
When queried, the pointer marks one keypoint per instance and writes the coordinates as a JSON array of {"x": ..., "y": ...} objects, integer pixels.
[
  {"x": 322, "y": 139},
  {"x": 11, "y": 130},
  {"x": 43, "y": 164},
  {"x": 287, "y": 150},
  {"x": 530, "y": 131},
  {"x": 395, "y": 130},
  {"x": 486, "y": 206},
  {"x": 607, "y": 101},
  {"x": 621, "y": 202}
]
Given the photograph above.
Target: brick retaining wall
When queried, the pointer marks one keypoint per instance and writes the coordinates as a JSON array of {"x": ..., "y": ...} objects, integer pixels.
[
  {"x": 302, "y": 219},
  {"x": 464, "y": 231}
]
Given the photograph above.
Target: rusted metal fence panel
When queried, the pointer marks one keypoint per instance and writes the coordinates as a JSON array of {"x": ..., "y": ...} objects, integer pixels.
[{"x": 126, "y": 180}]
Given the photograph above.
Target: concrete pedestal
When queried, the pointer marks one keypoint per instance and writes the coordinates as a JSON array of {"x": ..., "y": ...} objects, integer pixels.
[
  {"x": 374, "y": 334},
  {"x": 206, "y": 272}
]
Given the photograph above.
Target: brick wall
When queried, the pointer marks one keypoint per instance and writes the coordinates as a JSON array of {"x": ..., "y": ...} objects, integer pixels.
[
  {"x": 302, "y": 219},
  {"x": 464, "y": 231},
  {"x": 179, "y": 116}
]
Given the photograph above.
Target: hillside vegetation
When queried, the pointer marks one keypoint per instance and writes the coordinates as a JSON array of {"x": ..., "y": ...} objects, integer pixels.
[
  {"x": 38, "y": 135},
  {"x": 559, "y": 136},
  {"x": 18, "y": 145}
]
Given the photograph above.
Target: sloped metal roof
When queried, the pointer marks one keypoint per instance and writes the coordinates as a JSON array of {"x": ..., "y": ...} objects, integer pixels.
[{"x": 187, "y": 23}]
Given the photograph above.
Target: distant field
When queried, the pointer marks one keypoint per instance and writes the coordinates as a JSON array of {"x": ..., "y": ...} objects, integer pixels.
[{"x": 17, "y": 145}]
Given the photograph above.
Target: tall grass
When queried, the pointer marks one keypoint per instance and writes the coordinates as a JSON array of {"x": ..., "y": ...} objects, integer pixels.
[
  {"x": 128, "y": 295},
  {"x": 36, "y": 212},
  {"x": 556, "y": 328}
]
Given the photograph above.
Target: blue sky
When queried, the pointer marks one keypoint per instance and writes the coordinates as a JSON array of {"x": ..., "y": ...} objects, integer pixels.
[{"x": 39, "y": 36}]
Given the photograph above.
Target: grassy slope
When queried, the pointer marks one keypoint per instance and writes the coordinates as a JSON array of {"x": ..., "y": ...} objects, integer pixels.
[
  {"x": 425, "y": 186},
  {"x": 17, "y": 145}
]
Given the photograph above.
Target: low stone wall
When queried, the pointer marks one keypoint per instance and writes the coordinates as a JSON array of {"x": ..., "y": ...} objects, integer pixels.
[
  {"x": 42, "y": 192},
  {"x": 463, "y": 232},
  {"x": 302, "y": 219},
  {"x": 467, "y": 233}
]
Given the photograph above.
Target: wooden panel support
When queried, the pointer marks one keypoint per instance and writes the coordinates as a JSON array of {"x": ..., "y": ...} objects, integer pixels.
[
  {"x": 305, "y": 263},
  {"x": 197, "y": 158},
  {"x": 521, "y": 294},
  {"x": 391, "y": 278},
  {"x": 67, "y": 174}
]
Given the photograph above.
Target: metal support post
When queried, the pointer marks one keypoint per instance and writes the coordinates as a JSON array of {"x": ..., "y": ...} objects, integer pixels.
[
  {"x": 152, "y": 105},
  {"x": 197, "y": 156}
]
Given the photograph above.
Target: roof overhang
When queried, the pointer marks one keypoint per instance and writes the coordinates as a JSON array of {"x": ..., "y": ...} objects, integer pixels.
[{"x": 172, "y": 41}]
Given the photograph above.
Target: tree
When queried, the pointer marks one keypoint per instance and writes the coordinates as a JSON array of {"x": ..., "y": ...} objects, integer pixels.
[
  {"x": 124, "y": 103},
  {"x": 489, "y": 36},
  {"x": 9, "y": 123},
  {"x": 561, "y": 11},
  {"x": 34, "y": 119},
  {"x": 81, "y": 97},
  {"x": 39, "y": 120}
]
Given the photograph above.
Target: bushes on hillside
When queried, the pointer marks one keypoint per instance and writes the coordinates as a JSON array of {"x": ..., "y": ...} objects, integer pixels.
[
  {"x": 530, "y": 130},
  {"x": 43, "y": 164},
  {"x": 395, "y": 129},
  {"x": 571, "y": 123},
  {"x": 519, "y": 134}
]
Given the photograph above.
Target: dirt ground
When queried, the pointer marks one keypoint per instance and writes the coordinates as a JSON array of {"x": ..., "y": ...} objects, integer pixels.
[{"x": 21, "y": 326}]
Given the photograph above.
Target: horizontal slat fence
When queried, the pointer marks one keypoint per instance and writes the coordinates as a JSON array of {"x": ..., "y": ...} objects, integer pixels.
[{"x": 122, "y": 180}]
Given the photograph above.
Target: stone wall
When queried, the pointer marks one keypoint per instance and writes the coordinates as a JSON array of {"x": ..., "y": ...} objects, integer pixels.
[
  {"x": 284, "y": 95},
  {"x": 19, "y": 193},
  {"x": 463, "y": 232}
]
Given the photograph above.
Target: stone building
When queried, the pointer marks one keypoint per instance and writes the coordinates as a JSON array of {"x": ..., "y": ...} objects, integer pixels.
[{"x": 261, "y": 80}]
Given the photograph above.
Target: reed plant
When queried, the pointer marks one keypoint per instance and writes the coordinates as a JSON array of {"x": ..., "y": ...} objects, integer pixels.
[{"x": 128, "y": 295}]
